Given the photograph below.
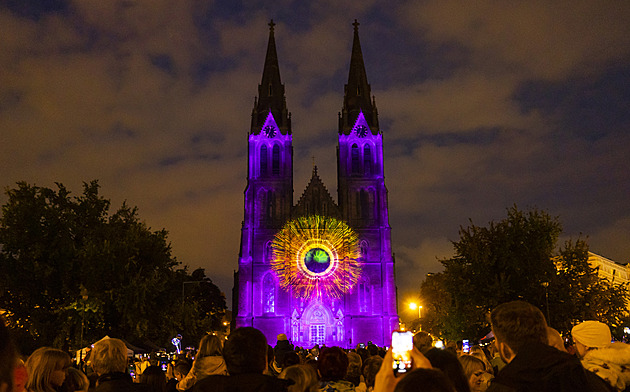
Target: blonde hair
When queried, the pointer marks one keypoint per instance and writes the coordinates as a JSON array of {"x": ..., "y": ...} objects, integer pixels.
[
  {"x": 471, "y": 364},
  {"x": 209, "y": 346},
  {"x": 41, "y": 364},
  {"x": 303, "y": 376},
  {"x": 109, "y": 355}
]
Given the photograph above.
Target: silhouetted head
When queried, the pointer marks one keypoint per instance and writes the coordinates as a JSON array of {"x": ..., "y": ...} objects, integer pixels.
[
  {"x": 245, "y": 351},
  {"x": 332, "y": 364},
  {"x": 447, "y": 362},
  {"x": 516, "y": 324},
  {"x": 424, "y": 380}
]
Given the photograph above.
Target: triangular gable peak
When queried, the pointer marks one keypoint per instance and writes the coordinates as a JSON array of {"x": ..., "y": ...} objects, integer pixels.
[
  {"x": 271, "y": 122},
  {"x": 361, "y": 133},
  {"x": 269, "y": 129},
  {"x": 361, "y": 122},
  {"x": 316, "y": 200}
]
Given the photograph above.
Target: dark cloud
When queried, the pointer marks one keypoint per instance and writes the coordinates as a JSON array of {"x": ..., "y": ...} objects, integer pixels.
[
  {"x": 36, "y": 9},
  {"x": 482, "y": 106}
]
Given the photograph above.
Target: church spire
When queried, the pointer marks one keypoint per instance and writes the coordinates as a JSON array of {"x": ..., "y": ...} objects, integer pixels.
[
  {"x": 357, "y": 96},
  {"x": 271, "y": 91}
]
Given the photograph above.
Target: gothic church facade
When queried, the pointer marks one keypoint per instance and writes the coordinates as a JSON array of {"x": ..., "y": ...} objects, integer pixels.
[{"x": 329, "y": 279}]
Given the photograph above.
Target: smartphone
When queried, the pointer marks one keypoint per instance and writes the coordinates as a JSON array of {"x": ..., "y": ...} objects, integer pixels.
[
  {"x": 402, "y": 344},
  {"x": 132, "y": 370},
  {"x": 361, "y": 345},
  {"x": 465, "y": 346}
]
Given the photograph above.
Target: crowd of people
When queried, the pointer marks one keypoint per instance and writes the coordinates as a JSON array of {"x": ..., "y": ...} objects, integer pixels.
[{"x": 527, "y": 355}]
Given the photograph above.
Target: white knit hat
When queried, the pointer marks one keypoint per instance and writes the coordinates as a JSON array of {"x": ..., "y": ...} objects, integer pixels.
[{"x": 592, "y": 334}]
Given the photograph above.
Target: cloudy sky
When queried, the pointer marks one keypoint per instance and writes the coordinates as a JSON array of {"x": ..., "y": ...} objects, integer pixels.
[{"x": 482, "y": 105}]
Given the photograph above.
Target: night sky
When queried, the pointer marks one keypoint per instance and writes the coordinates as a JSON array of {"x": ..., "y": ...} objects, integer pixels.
[{"x": 482, "y": 105}]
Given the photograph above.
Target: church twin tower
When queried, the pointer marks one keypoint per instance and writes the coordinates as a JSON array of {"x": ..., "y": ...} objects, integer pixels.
[{"x": 318, "y": 271}]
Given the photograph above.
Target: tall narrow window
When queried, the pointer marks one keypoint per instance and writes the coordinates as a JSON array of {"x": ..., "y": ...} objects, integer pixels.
[
  {"x": 364, "y": 249},
  {"x": 268, "y": 252},
  {"x": 276, "y": 160},
  {"x": 367, "y": 160},
  {"x": 365, "y": 297},
  {"x": 354, "y": 153},
  {"x": 263, "y": 161},
  {"x": 365, "y": 204},
  {"x": 270, "y": 90},
  {"x": 269, "y": 295},
  {"x": 271, "y": 204}
]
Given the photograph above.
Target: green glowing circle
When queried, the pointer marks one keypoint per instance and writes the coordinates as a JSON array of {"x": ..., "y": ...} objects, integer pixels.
[{"x": 317, "y": 260}]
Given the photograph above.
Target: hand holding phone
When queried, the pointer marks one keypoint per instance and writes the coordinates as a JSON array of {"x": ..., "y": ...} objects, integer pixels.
[
  {"x": 402, "y": 344},
  {"x": 465, "y": 346}
]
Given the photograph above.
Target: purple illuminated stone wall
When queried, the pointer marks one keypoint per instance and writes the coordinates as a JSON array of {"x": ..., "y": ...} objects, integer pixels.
[{"x": 367, "y": 312}]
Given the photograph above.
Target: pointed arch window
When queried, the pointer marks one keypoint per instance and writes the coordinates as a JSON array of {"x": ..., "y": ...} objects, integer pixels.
[
  {"x": 367, "y": 159},
  {"x": 269, "y": 294},
  {"x": 276, "y": 160},
  {"x": 364, "y": 249},
  {"x": 354, "y": 154},
  {"x": 263, "y": 160}
]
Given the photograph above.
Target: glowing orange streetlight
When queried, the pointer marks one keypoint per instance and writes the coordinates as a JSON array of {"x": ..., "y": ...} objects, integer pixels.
[{"x": 414, "y": 306}]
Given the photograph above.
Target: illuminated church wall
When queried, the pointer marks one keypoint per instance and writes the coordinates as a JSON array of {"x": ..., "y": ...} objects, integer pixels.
[{"x": 319, "y": 271}]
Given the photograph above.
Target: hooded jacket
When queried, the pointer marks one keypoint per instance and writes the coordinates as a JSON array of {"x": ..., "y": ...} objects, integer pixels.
[{"x": 611, "y": 363}]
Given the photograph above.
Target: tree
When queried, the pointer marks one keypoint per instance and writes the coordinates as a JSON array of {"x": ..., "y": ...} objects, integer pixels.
[
  {"x": 578, "y": 293},
  {"x": 514, "y": 259},
  {"x": 71, "y": 273},
  {"x": 436, "y": 301}
]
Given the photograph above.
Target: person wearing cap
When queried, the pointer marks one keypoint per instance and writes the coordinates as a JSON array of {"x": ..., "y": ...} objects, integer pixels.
[
  {"x": 610, "y": 361},
  {"x": 282, "y": 348}
]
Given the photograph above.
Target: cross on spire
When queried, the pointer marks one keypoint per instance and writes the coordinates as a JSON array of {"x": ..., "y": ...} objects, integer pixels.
[
  {"x": 271, "y": 25},
  {"x": 356, "y": 25}
]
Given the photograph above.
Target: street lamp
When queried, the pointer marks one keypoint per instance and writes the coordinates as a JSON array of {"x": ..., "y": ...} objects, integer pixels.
[
  {"x": 84, "y": 297},
  {"x": 414, "y": 306},
  {"x": 546, "y": 286}
]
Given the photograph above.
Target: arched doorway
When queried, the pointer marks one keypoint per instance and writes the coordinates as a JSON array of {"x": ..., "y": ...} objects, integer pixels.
[{"x": 318, "y": 324}]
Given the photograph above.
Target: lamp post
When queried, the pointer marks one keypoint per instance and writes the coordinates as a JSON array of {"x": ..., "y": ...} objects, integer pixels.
[
  {"x": 414, "y": 306},
  {"x": 546, "y": 285},
  {"x": 84, "y": 297}
]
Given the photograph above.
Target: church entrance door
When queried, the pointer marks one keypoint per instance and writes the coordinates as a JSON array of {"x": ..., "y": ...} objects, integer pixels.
[{"x": 318, "y": 334}]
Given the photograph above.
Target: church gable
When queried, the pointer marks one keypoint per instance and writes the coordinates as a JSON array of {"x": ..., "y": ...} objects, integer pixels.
[{"x": 316, "y": 200}]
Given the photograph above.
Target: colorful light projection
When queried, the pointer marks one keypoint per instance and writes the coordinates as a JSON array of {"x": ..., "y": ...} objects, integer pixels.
[{"x": 318, "y": 256}]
